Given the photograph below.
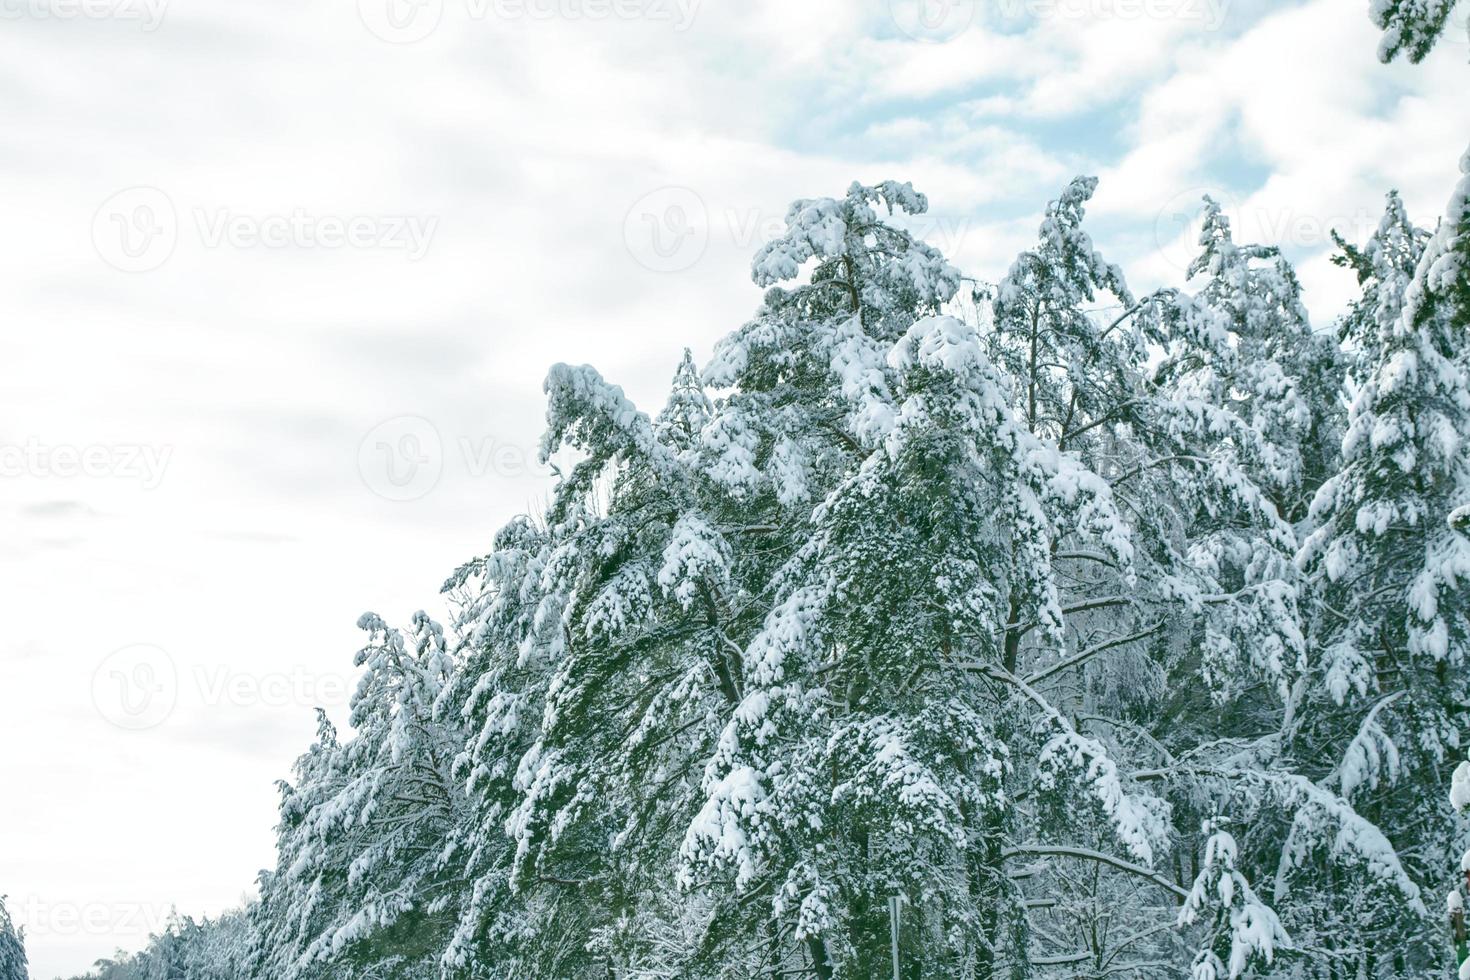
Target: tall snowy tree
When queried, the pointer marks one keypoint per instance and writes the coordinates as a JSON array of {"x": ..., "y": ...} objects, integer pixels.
[
  {"x": 1389, "y": 569},
  {"x": 649, "y": 589},
  {"x": 683, "y": 418},
  {"x": 366, "y": 881},
  {"x": 1213, "y": 595},
  {"x": 1385, "y": 269},
  {"x": 847, "y": 600},
  {"x": 1244, "y": 344},
  {"x": 514, "y": 922},
  {"x": 12, "y": 947}
]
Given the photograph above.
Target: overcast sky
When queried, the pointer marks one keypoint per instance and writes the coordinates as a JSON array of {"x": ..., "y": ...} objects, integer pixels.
[{"x": 282, "y": 279}]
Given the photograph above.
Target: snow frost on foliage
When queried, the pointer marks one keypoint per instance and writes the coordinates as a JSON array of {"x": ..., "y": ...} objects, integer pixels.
[
  {"x": 730, "y": 445},
  {"x": 1460, "y": 788},
  {"x": 1141, "y": 822},
  {"x": 688, "y": 408},
  {"x": 1324, "y": 819},
  {"x": 585, "y": 411},
  {"x": 718, "y": 833},
  {"x": 945, "y": 373},
  {"x": 857, "y": 361},
  {"x": 1255, "y": 933},
  {"x": 789, "y": 632},
  {"x": 1371, "y": 756},
  {"x": 696, "y": 554},
  {"x": 828, "y": 229},
  {"x": 621, "y": 605}
]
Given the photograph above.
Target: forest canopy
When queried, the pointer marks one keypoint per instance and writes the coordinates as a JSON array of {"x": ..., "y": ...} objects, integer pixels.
[{"x": 1098, "y": 634}]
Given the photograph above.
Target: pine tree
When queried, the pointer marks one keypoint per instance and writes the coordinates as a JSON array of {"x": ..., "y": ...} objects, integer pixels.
[
  {"x": 876, "y": 590},
  {"x": 514, "y": 639},
  {"x": 365, "y": 880},
  {"x": 1384, "y": 269},
  {"x": 1212, "y": 594},
  {"x": 1387, "y": 565},
  {"x": 12, "y": 947},
  {"x": 1245, "y": 929},
  {"x": 683, "y": 418},
  {"x": 1067, "y": 360},
  {"x": 1244, "y": 343}
]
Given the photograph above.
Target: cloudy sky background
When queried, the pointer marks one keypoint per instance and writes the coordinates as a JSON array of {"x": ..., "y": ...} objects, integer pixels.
[{"x": 283, "y": 279}]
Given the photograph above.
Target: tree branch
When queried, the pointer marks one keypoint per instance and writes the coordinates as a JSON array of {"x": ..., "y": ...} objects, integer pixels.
[{"x": 1047, "y": 850}]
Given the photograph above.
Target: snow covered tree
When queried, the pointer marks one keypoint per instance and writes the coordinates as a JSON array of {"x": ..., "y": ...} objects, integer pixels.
[
  {"x": 365, "y": 883},
  {"x": 911, "y": 608},
  {"x": 1072, "y": 366},
  {"x": 1245, "y": 929},
  {"x": 691, "y": 599},
  {"x": 683, "y": 419},
  {"x": 187, "y": 949},
  {"x": 872, "y": 750},
  {"x": 1385, "y": 269},
  {"x": 12, "y": 947},
  {"x": 1389, "y": 570},
  {"x": 1245, "y": 344},
  {"x": 1188, "y": 443},
  {"x": 511, "y": 621}
]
